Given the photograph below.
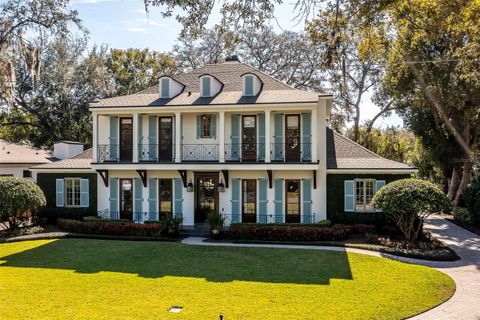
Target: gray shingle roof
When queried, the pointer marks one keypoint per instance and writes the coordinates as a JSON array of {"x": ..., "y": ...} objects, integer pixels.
[
  {"x": 15, "y": 153},
  {"x": 230, "y": 75},
  {"x": 80, "y": 161},
  {"x": 343, "y": 153}
]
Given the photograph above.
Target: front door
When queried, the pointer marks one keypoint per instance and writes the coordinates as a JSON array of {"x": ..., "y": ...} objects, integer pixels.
[
  {"x": 165, "y": 147},
  {"x": 165, "y": 197},
  {"x": 206, "y": 195},
  {"x": 292, "y": 196},
  {"x": 249, "y": 200},
  {"x": 126, "y": 139},
  {"x": 126, "y": 199},
  {"x": 249, "y": 138},
  {"x": 292, "y": 138}
]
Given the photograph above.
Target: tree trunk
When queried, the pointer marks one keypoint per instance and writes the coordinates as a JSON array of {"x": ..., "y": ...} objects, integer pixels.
[
  {"x": 454, "y": 183},
  {"x": 467, "y": 168}
]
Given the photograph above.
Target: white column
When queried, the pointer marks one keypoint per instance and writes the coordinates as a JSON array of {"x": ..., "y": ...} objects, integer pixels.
[
  {"x": 178, "y": 137},
  {"x": 135, "y": 137},
  {"x": 221, "y": 136},
  {"x": 314, "y": 120},
  {"x": 95, "y": 138},
  {"x": 268, "y": 135}
]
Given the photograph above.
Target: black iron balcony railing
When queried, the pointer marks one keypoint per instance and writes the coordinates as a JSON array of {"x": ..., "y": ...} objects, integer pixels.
[
  {"x": 114, "y": 153},
  {"x": 200, "y": 152},
  {"x": 245, "y": 152},
  {"x": 269, "y": 218},
  {"x": 164, "y": 151},
  {"x": 291, "y": 152}
]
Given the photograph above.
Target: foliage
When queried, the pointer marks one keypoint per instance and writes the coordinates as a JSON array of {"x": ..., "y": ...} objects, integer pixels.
[
  {"x": 133, "y": 70},
  {"x": 95, "y": 219},
  {"x": 463, "y": 215},
  {"x": 170, "y": 225},
  {"x": 110, "y": 228},
  {"x": 409, "y": 202},
  {"x": 471, "y": 200},
  {"x": 209, "y": 280},
  {"x": 18, "y": 198},
  {"x": 323, "y": 223},
  {"x": 215, "y": 221}
]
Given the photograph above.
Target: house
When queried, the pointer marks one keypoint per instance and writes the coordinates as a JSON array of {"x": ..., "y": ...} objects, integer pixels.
[{"x": 228, "y": 138}]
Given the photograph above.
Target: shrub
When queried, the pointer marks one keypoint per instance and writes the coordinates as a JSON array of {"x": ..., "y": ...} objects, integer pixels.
[
  {"x": 110, "y": 228},
  {"x": 286, "y": 233},
  {"x": 101, "y": 220},
  {"x": 323, "y": 223},
  {"x": 471, "y": 201},
  {"x": 409, "y": 202},
  {"x": 18, "y": 198},
  {"x": 215, "y": 223},
  {"x": 463, "y": 215}
]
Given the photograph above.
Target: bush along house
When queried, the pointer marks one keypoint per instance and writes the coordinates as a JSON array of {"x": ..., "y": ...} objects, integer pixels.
[{"x": 228, "y": 138}]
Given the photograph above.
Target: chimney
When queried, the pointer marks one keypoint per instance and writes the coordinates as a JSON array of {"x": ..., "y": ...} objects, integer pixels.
[
  {"x": 66, "y": 149},
  {"x": 233, "y": 58}
]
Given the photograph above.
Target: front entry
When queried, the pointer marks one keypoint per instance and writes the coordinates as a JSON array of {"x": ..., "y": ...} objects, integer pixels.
[
  {"x": 165, "y": 144},
  {"x": 126, "y": 199},
  {"x": 206, "y": 195},
  {"x": 249, "y": 138},
  {"x": 292, "y": 138},
  {"x": 292, "y": 203},
  {"x": 126, "y": 139}
]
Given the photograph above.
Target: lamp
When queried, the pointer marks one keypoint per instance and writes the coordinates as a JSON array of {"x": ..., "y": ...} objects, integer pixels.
[
  {"x": 190, "y": 186},
  {"x": 204, "y": 116},
  {"x": 221, "y": 186}
]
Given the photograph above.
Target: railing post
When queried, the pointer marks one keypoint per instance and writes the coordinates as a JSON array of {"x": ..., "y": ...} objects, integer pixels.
[
  {"x": 178, "y": 137},
  {"x": 267, "y": 137},
  {"x": 221, "y": 137}
]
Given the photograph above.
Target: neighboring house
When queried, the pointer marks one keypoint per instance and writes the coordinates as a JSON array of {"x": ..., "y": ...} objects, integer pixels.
[
  {"x": 228, "y": 138},
  {"x": 16, "y": 159},
  {"x": 69, "y": 185}
]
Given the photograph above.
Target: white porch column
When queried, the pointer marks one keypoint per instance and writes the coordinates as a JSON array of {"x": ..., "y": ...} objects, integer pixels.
[
  {"x": 268, "y": 135},
  {"x": 314, "y": 139},
  {"x": 95, "y": 138},
  {"x": 221, "y": 136},
  {"x": 135, "y": 137},
  {"x": 178, "y": 137}
]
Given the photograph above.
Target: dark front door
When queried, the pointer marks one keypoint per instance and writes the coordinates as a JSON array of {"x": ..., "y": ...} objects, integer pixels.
[
  {"x": 165, "y": 197},
  {"x": 249, "y": 138},
  {"x": 165, "y": 147},
  {"x": 206, "y": 195},
  {"x": 126, "y": 139},
  {"x": 292, "y": 138},
  {"x": 249, "y": 200},
  {"x": 126, "y": 199},
  {"x": 292, "y": 203}
]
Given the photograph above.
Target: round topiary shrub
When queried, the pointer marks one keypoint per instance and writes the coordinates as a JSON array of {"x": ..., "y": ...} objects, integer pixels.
[
  {"x": 19, "y": 199},
  {"x": 409, "y": 202}
]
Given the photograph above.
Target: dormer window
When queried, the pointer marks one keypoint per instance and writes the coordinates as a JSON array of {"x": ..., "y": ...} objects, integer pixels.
[
  {"x": 251, "y": 85},
  {"x": 206, "y": 86},
  {"x": 169, "y": 88},
  {"x": 248, "y": 83},
  {"x": 165, "y": 88}
]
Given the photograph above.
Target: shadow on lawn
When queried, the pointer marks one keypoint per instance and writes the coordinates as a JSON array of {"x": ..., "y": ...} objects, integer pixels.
[{"x": 217, "y": 264}]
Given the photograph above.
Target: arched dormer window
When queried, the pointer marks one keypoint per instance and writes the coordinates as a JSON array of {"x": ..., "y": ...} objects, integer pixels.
[
  {"x": 209, "y": 86},
  {"x": 169, "y": 87},
  {"x": 251, "y": 85},
  {"x": 165, "y": 88}
]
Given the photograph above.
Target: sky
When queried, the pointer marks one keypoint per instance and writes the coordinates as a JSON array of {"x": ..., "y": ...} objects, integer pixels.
[{"x": 123, "y": 24}]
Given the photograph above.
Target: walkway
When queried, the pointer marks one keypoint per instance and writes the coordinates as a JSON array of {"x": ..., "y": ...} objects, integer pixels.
[{"x": 465, "y": 303}]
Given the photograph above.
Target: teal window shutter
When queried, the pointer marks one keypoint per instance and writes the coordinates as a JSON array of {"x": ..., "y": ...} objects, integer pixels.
[
  {"x": 178, "y": 197},
  {"x": 249, "y": 85},
  {"x": 165, "y": 88},
  {"x": 213, "y": 123},
  {"x": 306, "y": 137},
  {"x": 261, "y": 137},
  {"x": 114, "y": 193},
  {"x": 378, "y": 185},
  {"x": 59, "y": 188},
  {"x": 206, "y": 87},
  {"x": 279, "y": 191},
  {"x": 152, "y": 199},
  {"x": 113, "y": 139},
  {"x": 262, "y": 199},
  {"x": 236, "y": 190},
  {"x": 307, "y": 201},
  {"x": 152, "y": 138},
  {"x": 235, "y": 137},
  {"x": 137, "y": 203},
  {"x": 278, "y": 138},
  {"x": 199, "y": 126},
  {"x": 84, "y": 196},
  {"x": 349, "y": 195}
]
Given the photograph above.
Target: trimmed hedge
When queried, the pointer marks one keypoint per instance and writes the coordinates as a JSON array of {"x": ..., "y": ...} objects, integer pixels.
[
  {"x": 110, "y": 228},
  {"x": 324, "y": 223}
]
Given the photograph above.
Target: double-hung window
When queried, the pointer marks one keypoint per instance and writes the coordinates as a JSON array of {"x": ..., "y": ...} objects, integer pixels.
[
  {"x": 206, "y": 126},
  {"x": 72, "y": 192},
  {"x": 364, "y": 192}
]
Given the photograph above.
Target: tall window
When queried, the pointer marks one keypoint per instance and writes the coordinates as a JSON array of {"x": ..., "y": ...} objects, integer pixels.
[
  {"x": 166, "y": 203},
  {"x": 292, "y": 203},
  {"x": 206, "y": 126},
  {"x": 72, "y": 192},
  {"x": 206, "y": 87},
  {"x": 165, "y": 88},
  {"x": 248, "y": 85},
  {"x": 364, "y": 192},
  {"x": 249, "y": 200}
]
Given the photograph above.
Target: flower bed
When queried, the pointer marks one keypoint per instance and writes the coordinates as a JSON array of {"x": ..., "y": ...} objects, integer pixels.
[{"x": 110, "y": 228}]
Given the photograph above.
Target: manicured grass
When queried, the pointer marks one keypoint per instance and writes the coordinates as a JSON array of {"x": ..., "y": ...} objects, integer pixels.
[{"x": 101, "y": 279}]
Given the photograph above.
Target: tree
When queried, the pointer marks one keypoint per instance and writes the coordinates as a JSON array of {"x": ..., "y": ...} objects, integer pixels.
[
  {"x": 18, "y": 198},
  {"x": 133, "y": 70},
  {"x": 409, "y": 202}
]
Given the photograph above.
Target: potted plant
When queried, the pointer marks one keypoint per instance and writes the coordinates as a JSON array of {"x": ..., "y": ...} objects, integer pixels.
[
  {"x": 170, "y": 225},
  {"x": 215, "y": 223}
]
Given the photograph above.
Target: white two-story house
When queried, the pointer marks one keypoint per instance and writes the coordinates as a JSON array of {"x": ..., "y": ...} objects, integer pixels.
[{"x": 230, "y": 139}]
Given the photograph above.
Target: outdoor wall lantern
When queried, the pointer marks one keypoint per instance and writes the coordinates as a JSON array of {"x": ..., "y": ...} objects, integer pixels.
[
  {"x": 190, "y": 186},
  {"x": 221, "y": 186}
]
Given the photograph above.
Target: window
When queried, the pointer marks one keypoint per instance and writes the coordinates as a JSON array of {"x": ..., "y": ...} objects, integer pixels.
[
  {"x": 165, "y": 88},
  {"x": 364, "y": 192},
  {"x": 166, "y": 201},
  {"x": 249, "y": 200},
  {"x": 206, "y": 86},
  {"x": 72, "y": 192},
  {"x": 27, "y": 173},
  {"x": 206, "y": 125},
  {"x": 292, "y": 209},
  {"x": 248, "y": 83}
]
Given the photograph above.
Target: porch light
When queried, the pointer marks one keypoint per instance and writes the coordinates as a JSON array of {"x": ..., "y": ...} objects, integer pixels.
[
  {"x": 204, "y": 116},
  {"x": 190, "y": 186},
  {"x": 221, "y": 186}
]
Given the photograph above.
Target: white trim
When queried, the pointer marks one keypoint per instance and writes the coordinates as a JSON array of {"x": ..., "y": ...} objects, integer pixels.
[
  {"x": 205, "y": 166},
  {"x": 371, "y": 171},
  {"x": 57, "y": 170}
]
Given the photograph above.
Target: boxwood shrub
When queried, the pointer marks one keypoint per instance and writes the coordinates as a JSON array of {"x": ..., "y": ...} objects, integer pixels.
[{"x": 110, "y": 228}]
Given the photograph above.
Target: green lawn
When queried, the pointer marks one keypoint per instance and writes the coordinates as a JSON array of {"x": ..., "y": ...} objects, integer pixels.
[{"x": 96, "y": 279}]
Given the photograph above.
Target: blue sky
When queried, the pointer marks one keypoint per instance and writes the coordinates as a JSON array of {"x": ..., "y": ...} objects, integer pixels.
[{"x": 125, "y": 24}]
